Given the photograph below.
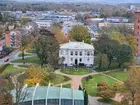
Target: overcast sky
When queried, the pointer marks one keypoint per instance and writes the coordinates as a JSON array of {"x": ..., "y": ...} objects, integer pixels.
[{"x": 104, "y": 1}]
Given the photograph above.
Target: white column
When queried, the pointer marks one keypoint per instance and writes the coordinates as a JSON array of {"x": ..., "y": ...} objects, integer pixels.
[
  {"x": 34, "y": 93},
  {"x": 47, "y": 93},
  {"x": 72, "y": 97},
  {"x": 60, "y": 95}
]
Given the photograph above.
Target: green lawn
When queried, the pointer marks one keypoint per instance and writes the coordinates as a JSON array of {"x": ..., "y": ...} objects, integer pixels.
[
  {"x": 20, "y": 55},
  {"x": 58, "y": 79},
  {"x": 120, "y": 75},
  {"x": 78, "y": 71},
  {"x": 28, "y": 60},
  {"x": 12, "y": 70},
  {"x": 67, "y": 86},
  {"x": 24, "y": 66},
  {"x": 90, "y": 85}
]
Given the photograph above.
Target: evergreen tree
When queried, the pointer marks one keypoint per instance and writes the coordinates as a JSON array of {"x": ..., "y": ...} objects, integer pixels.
[
  {"x": 80, "y": 88},
  {"x": 0, "y": 16},
  {"x": 85, "y": 98}
]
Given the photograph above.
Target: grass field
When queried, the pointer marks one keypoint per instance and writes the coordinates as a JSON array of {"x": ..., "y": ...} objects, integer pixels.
[
  {"x": 78, "y": 71},
  {"x": 24, "y": 66},
  {"x": 67, "y": 86},
  {"x": 20, "y": 55},
  {"x": 120, "y": 75},
  {"x": 58, "y": 79},
  {"x": 91, "y": 84},
  {"x": 12, "y": 70},
  {"x": 28, "y": 60}
]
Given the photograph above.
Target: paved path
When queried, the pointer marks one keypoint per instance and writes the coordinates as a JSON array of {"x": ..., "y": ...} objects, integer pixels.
[
  {"x": 76, "y": 82},
  {"x": 75, "y": 79}
]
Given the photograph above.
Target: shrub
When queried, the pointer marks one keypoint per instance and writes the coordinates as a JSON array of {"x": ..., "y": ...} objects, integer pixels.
[
  {"x": 107, "y": 94},
  {"x": 101, "y": 88},
  {"x": 88, "y": 78},
  {"x": 117, "y": 85},
  {"x": 3, "y": 67},
  {"x": 102, "y": 84}
]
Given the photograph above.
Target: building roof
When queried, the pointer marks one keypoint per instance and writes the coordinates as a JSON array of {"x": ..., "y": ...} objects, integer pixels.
[
  {"x": 50, "y": 92},
  {"x": 76, "y": 45}
]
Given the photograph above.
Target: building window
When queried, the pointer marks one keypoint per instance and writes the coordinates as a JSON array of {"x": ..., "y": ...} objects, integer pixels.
[
  {"x": 88, "y": 59},
  {"x": 88, "y": 53},
  {"x": 80, "y": 59},
  {"x": 71, "y": 59},
  {"x": 138, "y": 21},
  {"x": 137, "y": 45},
  {"x": 80, "y": 53},
  {"x": 71, "y": 52},
  {"x": 137, "y": 39},
  {"x": 76, "y": 53},
  {"x": 138, "y": 27}
]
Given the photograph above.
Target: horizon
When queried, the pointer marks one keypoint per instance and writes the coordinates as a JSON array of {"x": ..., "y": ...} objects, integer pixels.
[{"x": 81, "y": 1}]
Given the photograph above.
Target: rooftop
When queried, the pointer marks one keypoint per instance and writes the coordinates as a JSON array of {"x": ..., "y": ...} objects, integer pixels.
[
  {"x": 76, "y": 45},
  {"x": 50, "y": 92}
]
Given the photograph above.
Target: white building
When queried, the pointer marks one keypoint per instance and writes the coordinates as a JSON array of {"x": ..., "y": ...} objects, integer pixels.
[
  {"x": 44, "y": 23},
  {"x": 76, "y": 53}
]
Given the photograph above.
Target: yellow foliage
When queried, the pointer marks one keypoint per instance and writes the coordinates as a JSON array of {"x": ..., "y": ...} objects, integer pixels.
[
  {"x": 118, "y": 37},
  {"x": 35, "y": 74}
]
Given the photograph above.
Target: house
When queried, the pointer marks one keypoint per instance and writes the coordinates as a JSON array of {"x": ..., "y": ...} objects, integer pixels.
[
  {"x": 44, "y": 23},
  {"x": 77, "y": 53},
  {"x": 49, "y": 95}
]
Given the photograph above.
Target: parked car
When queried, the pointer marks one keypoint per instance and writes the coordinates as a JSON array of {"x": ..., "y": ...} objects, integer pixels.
[{"x": 6, "y": 60}]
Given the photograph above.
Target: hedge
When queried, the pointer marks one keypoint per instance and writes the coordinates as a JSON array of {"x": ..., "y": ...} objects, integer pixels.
[{"x": 3, "y": 67}]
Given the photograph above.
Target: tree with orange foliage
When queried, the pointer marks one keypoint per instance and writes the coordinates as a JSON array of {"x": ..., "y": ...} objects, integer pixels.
[
  {"x": 59, "y": 35},
  {"x": 5, "y": 97}
]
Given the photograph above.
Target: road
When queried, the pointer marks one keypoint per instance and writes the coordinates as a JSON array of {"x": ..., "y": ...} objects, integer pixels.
[{"x": 10, "y": 56}]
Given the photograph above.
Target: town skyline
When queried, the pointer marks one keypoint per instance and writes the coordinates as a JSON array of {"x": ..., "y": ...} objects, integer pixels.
[{"x": 82, "y": 1}]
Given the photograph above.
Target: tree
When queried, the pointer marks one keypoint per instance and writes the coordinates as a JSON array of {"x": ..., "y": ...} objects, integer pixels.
[
  {"x": 80, "y": 18},
  {"x": 102, "y": 62},
  {"x": 85, "y": 98},
  {"x": 115, "y": 35},
  {"x": 104, "y": 91},
  {"x": 25, "y": 20},
  {"x": 132, "y": 42},
  {"x": 123, "y": 54},
  {"x": 132, "y": 85},
  {"x": 80, "y": 33},
  {"x": 0, "y": 17},
  {"x": 105, "y": 45},
  {"x": 25, "y": 40},
  {"x": 106, "y": 94},
  {"x": 59, "y": 35},
  {"x": 5, "y": 96},
  {"x": 80, "y": 88},
  {"x": 20, "y": 94},
  {"x": 36, "y": 74},
  {"x": 1, "y": 31},
  {"x": 47, "y": 48}
]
